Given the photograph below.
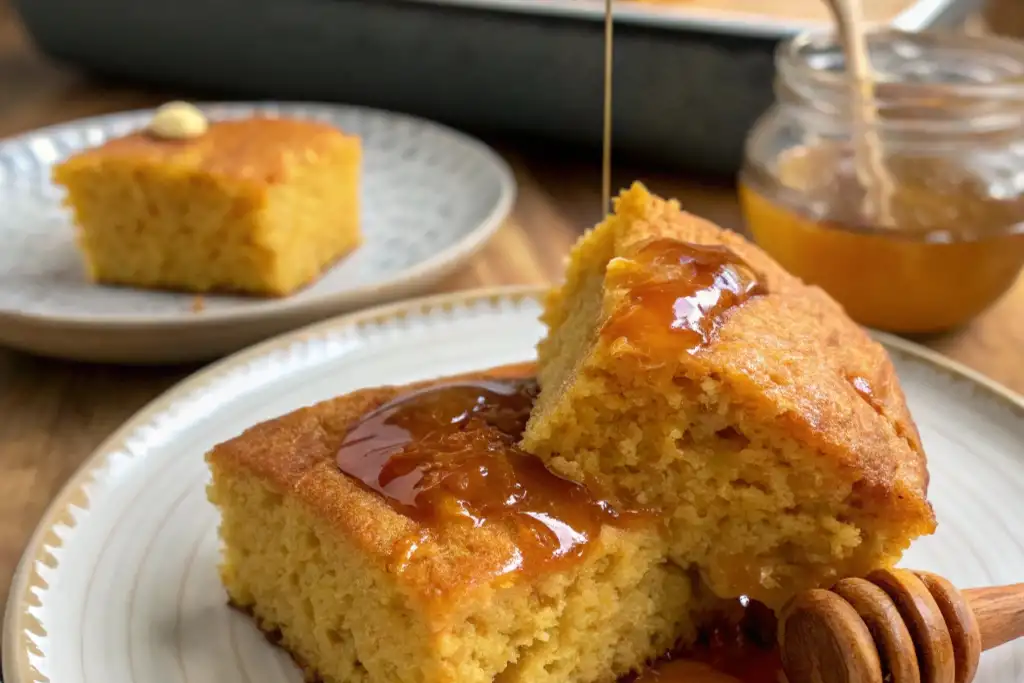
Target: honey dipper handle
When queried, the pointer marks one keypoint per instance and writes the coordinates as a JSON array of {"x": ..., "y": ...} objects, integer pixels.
[{"x": 999, "y": 611}]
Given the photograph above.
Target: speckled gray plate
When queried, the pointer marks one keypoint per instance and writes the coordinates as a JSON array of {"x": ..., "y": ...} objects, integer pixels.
[{"x": 430, "y": 197}]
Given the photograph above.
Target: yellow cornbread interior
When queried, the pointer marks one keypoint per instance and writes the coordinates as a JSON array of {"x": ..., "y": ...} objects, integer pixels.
[
  {"x": 749, "y": 501},
  {"x": 347, "y": 616},
  {"x": 167, "y": 222}
]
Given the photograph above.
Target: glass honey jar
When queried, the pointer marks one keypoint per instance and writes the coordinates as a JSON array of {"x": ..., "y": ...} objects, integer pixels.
[{"x": 949, "y": 137}]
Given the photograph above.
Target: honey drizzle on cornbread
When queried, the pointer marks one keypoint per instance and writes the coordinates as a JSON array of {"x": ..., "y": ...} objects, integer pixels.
[
  {"x": 678, "y": 293},
  {"x": 447, "y": 455},
  {"x": 737, "y": 644}
]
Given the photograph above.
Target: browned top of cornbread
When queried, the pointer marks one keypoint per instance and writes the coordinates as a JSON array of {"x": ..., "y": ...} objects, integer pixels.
[
  {"x": 257, "y": 149},
  {"x": 299, "y": 455},
  {"x": 786, "y": 349}
]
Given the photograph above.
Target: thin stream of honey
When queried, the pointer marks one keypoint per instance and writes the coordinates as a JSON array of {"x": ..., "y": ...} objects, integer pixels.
[{"x": 606, "y": 147}]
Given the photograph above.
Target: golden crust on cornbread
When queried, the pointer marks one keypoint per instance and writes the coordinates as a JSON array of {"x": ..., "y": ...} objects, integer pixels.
[
  {"x": 312, "y": 553},
  {"x": 258, "y": 205},
  {"x": 781, "y": 452},
  {"x": 258, "y": 151}
]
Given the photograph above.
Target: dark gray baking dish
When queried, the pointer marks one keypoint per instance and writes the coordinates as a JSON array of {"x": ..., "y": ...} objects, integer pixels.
[{"x": 686, "y": 90}]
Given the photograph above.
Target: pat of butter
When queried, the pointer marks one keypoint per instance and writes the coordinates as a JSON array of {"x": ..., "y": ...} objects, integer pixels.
[{"x": 178, "y": 121}]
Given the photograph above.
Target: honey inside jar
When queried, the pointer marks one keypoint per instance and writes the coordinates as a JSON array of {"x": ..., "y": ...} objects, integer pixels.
[
  {"x": 736, "y": 644},
  {"x": 952, "y": 241}
]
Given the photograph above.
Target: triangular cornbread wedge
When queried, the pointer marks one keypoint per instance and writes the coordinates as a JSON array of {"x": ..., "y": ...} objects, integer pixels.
[{"x": 685, "y": 372}]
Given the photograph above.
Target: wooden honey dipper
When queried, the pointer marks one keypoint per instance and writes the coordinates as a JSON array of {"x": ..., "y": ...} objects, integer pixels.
[{"x": 914, "y": 626}]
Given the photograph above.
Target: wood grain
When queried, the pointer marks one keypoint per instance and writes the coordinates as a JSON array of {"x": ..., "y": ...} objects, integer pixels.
[
  {"x": 1000, "y": 613},
  {"x": 55, "y": 413}
]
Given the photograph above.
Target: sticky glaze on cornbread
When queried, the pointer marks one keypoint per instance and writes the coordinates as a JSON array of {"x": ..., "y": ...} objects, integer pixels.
[
  {"x": 258, "y": 205},
  {"x": 686, "y": 372},
  {"x": 379, "y": 564}
]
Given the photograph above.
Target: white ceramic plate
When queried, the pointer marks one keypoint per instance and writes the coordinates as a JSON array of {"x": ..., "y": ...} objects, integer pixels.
[
  {"x": 430, "y": 197},
  {"x": 118, "y": 584}
]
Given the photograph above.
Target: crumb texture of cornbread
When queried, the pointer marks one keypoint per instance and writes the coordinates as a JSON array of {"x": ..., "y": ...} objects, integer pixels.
[
  {"x": 259, "y": 206},
  {"x": 320, "y": 558},
  {"x": 771, "y": 434}
]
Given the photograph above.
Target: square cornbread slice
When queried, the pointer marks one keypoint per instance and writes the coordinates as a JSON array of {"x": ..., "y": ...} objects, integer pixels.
[
  {"x": 365, "y": 581},
  {"x": 686, "y": 372},
  {"x": 258, "y": 206}
]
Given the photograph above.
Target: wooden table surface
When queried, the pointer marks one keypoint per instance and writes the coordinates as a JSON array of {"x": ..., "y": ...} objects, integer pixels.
[{"x": 53, "y": 413}]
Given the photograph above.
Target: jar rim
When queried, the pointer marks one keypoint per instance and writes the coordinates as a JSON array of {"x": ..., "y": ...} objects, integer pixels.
[{"x": 970, "y": 70}]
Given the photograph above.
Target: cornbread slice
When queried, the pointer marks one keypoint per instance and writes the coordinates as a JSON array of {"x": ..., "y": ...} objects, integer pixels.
[
  {"x": 258, "y": 206},
  {"x": 686, "y": 372},
  {"x": 361, "y": 591}
]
